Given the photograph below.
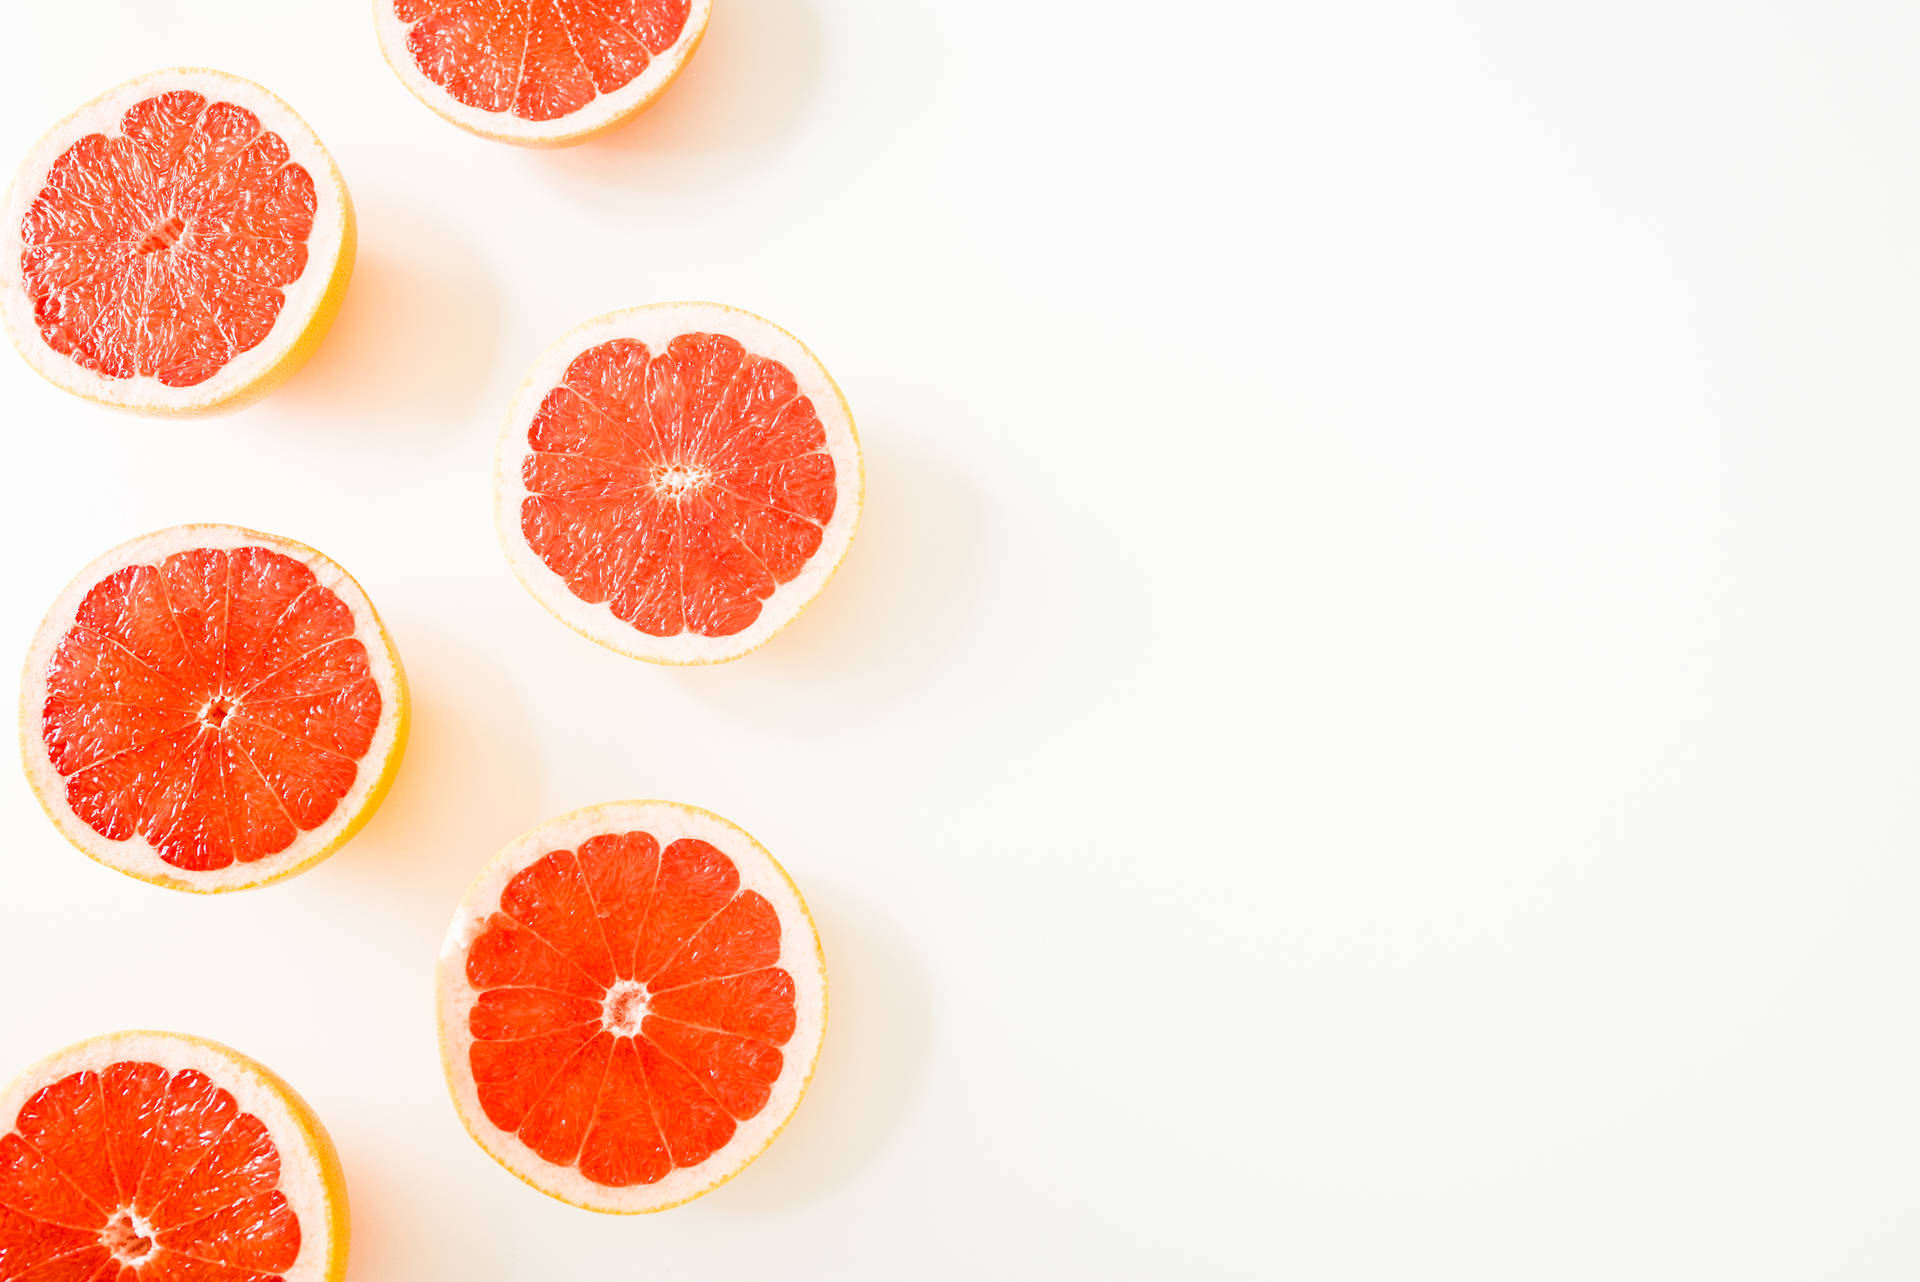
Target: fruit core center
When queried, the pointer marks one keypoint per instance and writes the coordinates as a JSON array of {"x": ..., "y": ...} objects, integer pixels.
[
  {"x": 677, "y": 480},
  {"x": 214, "y": 715},
  {"x": 126, "y": 1238},
  {"x": 626, "y": 1007},
  {"x": 163, "y": 234}
]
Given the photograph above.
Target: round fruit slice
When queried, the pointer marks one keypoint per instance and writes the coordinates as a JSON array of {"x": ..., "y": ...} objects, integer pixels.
[
  {"x": 631, "y": 1002},
  {"x": 679, "y": 481},
  {"x": 212, "y": 708},
  {"x": 543, "y": 73},
  {"x": 154, "y": 1157},
  {"x": 179, "y": 245}
]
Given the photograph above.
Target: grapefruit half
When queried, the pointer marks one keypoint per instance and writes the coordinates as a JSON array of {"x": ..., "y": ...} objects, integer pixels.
[
  {"x": 678, "y": 482},
  {"x": 212, "y": 708},
  {"x": 632, "y": 999},
  {"x": 542, "y": 73},
  {"x": 179, "y": 245},
  {"x": 155, "y": 1157}
]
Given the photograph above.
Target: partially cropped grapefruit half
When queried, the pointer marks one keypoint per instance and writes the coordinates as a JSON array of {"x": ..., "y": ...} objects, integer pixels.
[
  {"x": 678, "y": 482},
  {"x": 179, "y": 245},
  {"x": 542, "y": 73},
  {"x": 632, "y": 999},
  {"x": 156, "y": 1157},
  {"x": 211, "y": 708}
]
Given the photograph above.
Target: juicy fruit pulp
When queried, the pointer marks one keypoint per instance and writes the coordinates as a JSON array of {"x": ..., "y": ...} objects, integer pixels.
[
  {"x": 538, "y": 59},
  {"x": 216, "y": 704},
  {"x": 163, "y": 251},
  {"x": 630, "y": 1008},
  {"x": 681, "y": 488},
  {"x": 136, "y": 1174}
]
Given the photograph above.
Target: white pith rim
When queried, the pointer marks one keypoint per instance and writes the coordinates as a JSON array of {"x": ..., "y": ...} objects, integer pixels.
[
  {"x": 656, "y": 325},
  {"x": 302, "y": 1167},
  {"x": 136, "y": 856},
  {"x": 303, "y": 296},
  {"x": 800, "y": 956},
  {"x": 503, "y": 126}
]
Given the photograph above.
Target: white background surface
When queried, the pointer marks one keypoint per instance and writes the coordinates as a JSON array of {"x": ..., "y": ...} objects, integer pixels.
[{"x": 1370, "y": 728}]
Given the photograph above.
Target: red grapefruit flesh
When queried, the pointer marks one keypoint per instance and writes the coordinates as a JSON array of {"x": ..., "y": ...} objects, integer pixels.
[
  {"x": 212, "y": 708},
  {"x": 538, "y": 71},
  {"x": 690, "y": 470},
  {"x": 149, "y": 1157},
  {"x": 109, "y": 289},
  {"x": 179, "y": 241},
  {"x": 630, "y": 1018}
]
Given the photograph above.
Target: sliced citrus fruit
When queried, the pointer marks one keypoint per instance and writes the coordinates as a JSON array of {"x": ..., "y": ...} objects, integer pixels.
[
  {"x": 631, "y": 999},
  {"x": 179, "y": 245},
  {"x": 212, "y": 708},
  {"x": 155, "y": 1157},
  {"x": 679, "y": 481},
  {"x": 543, "y": 73}
]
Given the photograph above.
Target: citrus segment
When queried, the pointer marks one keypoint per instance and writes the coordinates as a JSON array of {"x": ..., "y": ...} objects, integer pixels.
[
  {"x": 179, "y": 224},
  {"x": 690, "y": 470},
  {"x": 538, "y": 71},
  {"x": 214, "y": 706},
  {"x": 629, "y": 1016},
  {"x": 149, "y": 1157}
]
